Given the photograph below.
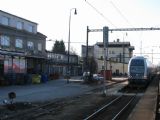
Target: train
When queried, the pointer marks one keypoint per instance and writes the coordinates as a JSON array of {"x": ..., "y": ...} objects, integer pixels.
[{"x": 140, "y": 70}]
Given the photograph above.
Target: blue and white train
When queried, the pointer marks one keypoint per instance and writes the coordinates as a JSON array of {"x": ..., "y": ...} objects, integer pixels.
[{"x": 140, "y": 70}]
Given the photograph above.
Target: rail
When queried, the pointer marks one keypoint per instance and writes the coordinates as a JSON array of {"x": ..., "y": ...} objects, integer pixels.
[
  {"x": 116, "y": 116},
  {"x": 99, "y": 111}
]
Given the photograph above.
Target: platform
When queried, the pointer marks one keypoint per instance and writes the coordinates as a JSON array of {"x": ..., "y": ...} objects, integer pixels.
[{"x": 146, "y": 107}]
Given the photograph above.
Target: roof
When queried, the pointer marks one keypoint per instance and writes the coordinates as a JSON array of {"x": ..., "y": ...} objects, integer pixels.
[
  {"x": 21, "y": 31},
  {"x": 89, "y": 46},
  {"x": 114, "y": 44},
  {"x": 18, "y": 17}
]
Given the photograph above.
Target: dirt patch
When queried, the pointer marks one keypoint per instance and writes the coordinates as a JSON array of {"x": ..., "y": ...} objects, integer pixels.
[{"x": 78, "y": 108}]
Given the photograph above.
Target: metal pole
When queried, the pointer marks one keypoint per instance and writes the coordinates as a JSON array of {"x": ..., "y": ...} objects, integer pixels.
[
  {"x": 87, "y": 50},
  {"x": 68, "y": 62},
  {"x": 123, "y": 54},
  {"x": 152, "y": 55},
  {"x": 105, "y": 44},
  {"x": 68, "y": 72}
]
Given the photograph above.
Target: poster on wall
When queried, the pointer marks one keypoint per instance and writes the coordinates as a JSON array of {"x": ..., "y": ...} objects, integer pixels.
[
  {"x": 16, "y": 66},
  {"x": 7, "y": 64}
]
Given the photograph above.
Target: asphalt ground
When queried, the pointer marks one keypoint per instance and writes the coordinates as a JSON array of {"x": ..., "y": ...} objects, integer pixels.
[{"x": 47, "y": 91}]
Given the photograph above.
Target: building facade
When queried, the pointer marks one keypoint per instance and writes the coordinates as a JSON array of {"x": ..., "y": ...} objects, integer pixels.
[
  {"x": 118, "y": 56},
  {"x": 22, "y": 48},
  {"x": 86, "y": 55},
  {"x": 58, "y": 63}
]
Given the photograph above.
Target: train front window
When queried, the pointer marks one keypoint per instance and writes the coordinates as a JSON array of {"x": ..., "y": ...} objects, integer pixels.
[{"x": 137, "y": 63}]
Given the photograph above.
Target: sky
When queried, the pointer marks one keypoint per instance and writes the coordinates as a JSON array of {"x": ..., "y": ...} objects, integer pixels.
[{"x": 52, "y": 17}]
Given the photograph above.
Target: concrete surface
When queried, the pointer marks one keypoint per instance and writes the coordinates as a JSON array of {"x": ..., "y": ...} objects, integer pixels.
[
  {"x": 48, "y": 91},
  {"x": 44, "y": 91},
  {"x": 146, "y": 107}
]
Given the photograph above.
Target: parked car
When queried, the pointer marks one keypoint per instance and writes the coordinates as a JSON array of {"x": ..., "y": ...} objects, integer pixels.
[{"x": 98, "y": 77}]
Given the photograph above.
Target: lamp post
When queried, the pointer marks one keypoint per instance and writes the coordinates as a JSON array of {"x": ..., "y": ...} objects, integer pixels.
[{"x": 68, "y": 68}]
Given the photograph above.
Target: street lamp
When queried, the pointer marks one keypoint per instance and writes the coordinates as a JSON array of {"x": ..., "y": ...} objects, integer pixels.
[{"x": 75, "y": 12}]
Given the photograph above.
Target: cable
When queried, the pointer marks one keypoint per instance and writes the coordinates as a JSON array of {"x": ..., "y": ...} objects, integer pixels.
[
  {"x": 118, "y": 10},
  {"x": 100, "y": 13}
]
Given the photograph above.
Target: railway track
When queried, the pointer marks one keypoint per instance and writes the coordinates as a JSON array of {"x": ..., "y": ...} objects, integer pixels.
[
  {"x": 31, "y": 114},
  {"x": 114, "y": 109}
]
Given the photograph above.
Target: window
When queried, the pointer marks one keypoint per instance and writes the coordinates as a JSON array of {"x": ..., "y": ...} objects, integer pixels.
[
  {"x": 19, "y": 25},
  {"x": 39, "y": 47},
  {"x": 102, "y": 67},
  {"x": 30, "y": 45},
  {"x": 101, "y": 57},
  {"x": 19, "y": 43},
  {"x": 137, "y": 62},
  {"x": 5, "y": 20},
  {"x": 30, "y": 28},
  {"x": 116, "y": 59},
  {"x": 58, "y": 57},
  {"x": 5, "y": 40}
]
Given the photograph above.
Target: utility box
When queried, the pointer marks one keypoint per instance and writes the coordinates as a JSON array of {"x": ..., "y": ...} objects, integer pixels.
[{"x": 108, "y": 74}]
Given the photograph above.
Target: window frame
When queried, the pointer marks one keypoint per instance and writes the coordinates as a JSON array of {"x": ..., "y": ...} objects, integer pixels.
[
  {"x": 5, "y": 20},
  {"x": 30, "y": 45},
  {"x": 19, "y": 43},
  {"x": 39, "y": 46},
  {"x": 5, "y": 40},
  {"x": 19, "y": 25},
  {"x": 30, "y": 28}
]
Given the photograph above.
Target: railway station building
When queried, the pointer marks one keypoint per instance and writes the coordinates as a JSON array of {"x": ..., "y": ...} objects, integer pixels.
[
  {"x": 119, "y": 54},
  {"x": 23, "y": 52},
  {"x": 58, "y": 64},
  {"x": 22, "y": 48}
]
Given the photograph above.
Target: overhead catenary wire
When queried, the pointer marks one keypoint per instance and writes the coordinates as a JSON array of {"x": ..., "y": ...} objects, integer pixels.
[
  {"x": 121, "y": 14},
  {"x": 125, "y": 18},
  {"x": 101, "y": 14}
]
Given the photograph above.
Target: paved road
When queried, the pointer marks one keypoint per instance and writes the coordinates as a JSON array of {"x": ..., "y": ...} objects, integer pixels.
[{"x": 46, "y": 91}]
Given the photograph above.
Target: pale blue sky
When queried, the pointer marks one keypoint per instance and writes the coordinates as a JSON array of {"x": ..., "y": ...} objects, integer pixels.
[{"x": 52, "y": 17}]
